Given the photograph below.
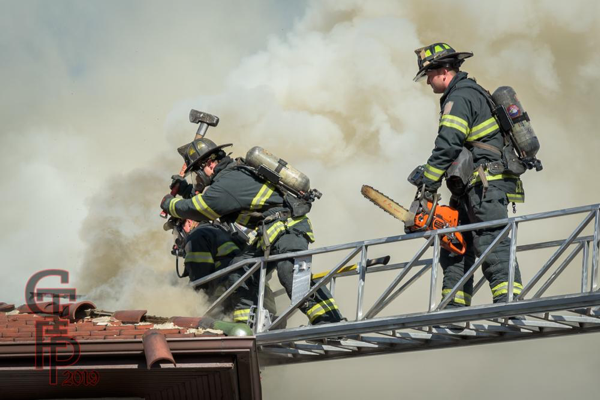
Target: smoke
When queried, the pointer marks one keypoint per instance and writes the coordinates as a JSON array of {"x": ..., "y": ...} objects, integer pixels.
[
  {"x": 543, "y": 49},
  {"x": 87, "y": 88},
  {"x": 99, "y": 103}
]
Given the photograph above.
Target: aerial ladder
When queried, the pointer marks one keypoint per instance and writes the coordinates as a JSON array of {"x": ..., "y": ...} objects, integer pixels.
[{"x": 377, "y": 327}]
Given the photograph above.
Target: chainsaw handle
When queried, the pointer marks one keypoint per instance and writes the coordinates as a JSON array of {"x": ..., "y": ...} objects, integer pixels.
[{"x": 459, "y": 248}]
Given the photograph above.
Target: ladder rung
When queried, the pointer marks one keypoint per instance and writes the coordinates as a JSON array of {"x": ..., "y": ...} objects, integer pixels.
[
  {"x": 320, "y": 347},
  {"x": 287, "y": 351}
]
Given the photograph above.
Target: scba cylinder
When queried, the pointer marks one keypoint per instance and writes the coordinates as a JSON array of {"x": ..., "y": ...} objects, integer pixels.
[
  {"x": 290, "y": 176},
  {"x": 522, "y": 131}
]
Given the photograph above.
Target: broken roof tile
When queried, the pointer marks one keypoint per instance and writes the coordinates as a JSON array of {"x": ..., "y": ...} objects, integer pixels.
[
  {"x": 156, "y": 348},
  {"x": 77, "y": 311},
  {"x": 186, "y": 322},
  {"x": 104, "y": 325},
  {"x": 130, "y": 316}
]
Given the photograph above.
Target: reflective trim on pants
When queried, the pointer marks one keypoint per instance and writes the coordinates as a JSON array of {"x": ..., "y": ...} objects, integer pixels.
[
  {"x": 241, "y": 315},
  {"x": 459, "y": 298},
  {"x": 502, "y": 288},
  {"x": 320, "y": 309}
]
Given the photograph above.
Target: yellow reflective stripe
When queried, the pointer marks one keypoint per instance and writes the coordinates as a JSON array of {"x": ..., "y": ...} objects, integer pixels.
[
  {"x": 243, "y": 219},
  {"x": 502, "y": 288},
  {"x": 321, "y": 308},
  {"x": 262, "y": 196},
  {"x": 202, "y": 207},
  {"x": 172, "y": 209},
  {"x": 489, "y": 177},
  {"x": 520, "y": 187},
  {"x": 275, "y": 230},
  {"x": 432, "y": 177},
  {"x": 294, "y": 221},
  {"x": 460, "y": 297},
  {"x": 434, "y": 170},
  {"x": 455, "y": 122},
  {"x": 437, "y": 49},
  {"x": 427, "y": 53},
  {"x": 433, "y": 173},
  {"x": 455, "y": 126},
  {"x": 515, "y": 198},
  {"x": 199, "y": 257},
  {"x": 488, "y": 126},
  {"x": 445, "y": 46},
  {"x": 226, "y": 248},
  {"x": 241, "y": 315}
]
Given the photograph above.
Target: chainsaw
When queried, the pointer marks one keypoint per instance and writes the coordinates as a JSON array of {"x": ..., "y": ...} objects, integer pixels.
[{"x": 424, "y": 214}]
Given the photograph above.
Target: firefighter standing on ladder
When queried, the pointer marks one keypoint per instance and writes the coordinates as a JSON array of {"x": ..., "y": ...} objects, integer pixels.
[
  {"x": 236, "y": 195},
  {"x": 466, "y": 122}
]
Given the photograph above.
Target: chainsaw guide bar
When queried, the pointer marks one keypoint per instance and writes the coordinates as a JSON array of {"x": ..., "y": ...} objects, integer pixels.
[{"x": 385, "y": 203}]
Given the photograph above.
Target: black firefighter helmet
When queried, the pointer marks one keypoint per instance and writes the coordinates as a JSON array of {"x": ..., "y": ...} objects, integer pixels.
[
  {"x": 199, "y": 151},
  {"x": 438, "y": 55}
]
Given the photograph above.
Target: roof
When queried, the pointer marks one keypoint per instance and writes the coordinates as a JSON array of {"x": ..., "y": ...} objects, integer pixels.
[{"x": 126, "y": 353}]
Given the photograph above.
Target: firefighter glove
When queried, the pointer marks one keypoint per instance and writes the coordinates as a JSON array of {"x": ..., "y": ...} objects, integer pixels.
[
  {"x": 164, "y": 204},
  {"x": 454, "y": 202},
  {"x": 185, "y": 189}
]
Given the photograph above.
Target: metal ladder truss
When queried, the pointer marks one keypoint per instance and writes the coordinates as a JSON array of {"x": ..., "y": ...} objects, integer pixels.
[{"x": 530, "y": 315}]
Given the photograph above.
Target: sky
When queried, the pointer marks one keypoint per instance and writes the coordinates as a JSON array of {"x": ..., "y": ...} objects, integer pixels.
[{"x": 95, "y": 101}]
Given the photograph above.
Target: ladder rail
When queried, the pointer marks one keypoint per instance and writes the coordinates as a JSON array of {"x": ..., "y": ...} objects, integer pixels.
[{"x": 429, "y": 315}]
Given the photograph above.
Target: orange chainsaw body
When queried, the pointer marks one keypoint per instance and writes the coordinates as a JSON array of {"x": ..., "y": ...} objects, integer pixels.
[{"x": 442, "y": 217}]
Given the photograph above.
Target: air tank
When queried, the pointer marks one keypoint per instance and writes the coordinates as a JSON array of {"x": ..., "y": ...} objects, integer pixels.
[
  {"x": 522, "y": 132},
  {"x": 290, "y": 176}
]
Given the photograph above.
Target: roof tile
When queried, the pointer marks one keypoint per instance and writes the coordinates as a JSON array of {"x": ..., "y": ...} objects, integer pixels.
[
  {"x": 156, "y": 348},
  {"x": 123, "y": 325},
  {"x": 131, "y": 316}
]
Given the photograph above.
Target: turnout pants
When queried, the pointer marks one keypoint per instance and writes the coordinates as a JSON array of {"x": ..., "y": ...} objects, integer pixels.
[
  {"x": 473, "y": 207},
  {"x": 320, "y": 308},
  {"x": 208, "y": 249}
]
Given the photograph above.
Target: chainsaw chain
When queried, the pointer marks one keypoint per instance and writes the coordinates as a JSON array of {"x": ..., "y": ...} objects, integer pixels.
[{"x": 379, "y": 206}]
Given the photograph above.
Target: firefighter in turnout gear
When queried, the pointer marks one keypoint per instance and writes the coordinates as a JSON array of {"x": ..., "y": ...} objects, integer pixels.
[
  {"x": 207, "y": 249},
  {"x": 236, "y": 194},
  {"x": 210, "y": 247},
  {"x": 467, "y": 122}
]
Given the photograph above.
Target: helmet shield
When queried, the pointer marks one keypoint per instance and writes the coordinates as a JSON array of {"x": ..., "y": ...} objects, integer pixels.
[
  {"x": 198, "y": 151},
  {"x": 438, "y": 55}
]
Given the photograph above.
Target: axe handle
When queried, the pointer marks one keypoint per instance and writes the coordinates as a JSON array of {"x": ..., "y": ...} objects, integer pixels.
[{"x": 370, "y": 262}]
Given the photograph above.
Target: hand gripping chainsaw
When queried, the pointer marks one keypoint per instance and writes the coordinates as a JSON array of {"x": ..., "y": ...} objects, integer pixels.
[{"x": 424, "y": 214}]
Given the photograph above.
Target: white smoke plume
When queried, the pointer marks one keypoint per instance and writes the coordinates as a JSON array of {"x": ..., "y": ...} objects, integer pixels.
[{"x": 327, "y": 85}]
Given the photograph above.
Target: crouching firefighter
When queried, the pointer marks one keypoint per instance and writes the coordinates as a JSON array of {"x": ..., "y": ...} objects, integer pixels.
[
  {"x": 238, "y": 194},
  {"x": 468, "y": 137},
  {"x": 207, "y": 247}
]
